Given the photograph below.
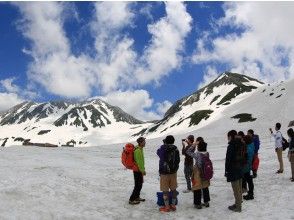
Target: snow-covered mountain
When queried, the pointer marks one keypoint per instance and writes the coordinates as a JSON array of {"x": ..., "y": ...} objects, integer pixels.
[
  {"x": 86, "y": 123},
  {"x": 230, "y": 101},
  {"x": 205, "y": 105}
]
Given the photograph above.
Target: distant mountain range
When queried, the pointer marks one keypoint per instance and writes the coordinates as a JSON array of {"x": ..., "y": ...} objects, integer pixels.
[{"x": 230, "y": 100}]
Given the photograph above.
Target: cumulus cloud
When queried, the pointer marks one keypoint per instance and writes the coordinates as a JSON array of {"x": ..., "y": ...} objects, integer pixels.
[
  {"x": 210, "y": 75},
  {"x": 9, "y": 94},
  {"x": 115, "y": 66},
  {"x": 137, "y": 103},
  {"x": 164, "y": 52},
  {"x": 263, "y": 49}
]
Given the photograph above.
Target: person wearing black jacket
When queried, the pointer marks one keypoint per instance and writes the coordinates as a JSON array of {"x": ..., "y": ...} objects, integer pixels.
[
  {"x": 290, "y": 133},
  {"x": 233, "y": 168}
]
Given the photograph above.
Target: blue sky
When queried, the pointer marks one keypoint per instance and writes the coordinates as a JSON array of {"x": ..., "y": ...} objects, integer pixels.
[{"x": 141, "y": 56}]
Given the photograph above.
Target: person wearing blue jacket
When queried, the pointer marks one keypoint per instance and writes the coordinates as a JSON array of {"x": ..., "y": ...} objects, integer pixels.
[
  {"x": 256, "y": 143},
  {"x": 247, "y": 178}
]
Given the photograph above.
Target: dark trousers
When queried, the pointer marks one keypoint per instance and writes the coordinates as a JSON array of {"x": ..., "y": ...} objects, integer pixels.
[
  {"x": 188, "y": 170},
  {"x": 247, "y": 178},
  {"x": 198, "y": 195},
  {"x": 138, "y": 177}
]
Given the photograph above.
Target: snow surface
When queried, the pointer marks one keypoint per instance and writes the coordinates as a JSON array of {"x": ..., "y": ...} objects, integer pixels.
[{"x": 91, "y": 183}]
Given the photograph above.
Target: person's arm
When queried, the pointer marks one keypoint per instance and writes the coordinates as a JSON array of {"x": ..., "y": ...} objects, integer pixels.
[
  {"x": 190, "y": 152},
  {"x": 183, "y": 148},
  {"x": 139, "y": 159}
]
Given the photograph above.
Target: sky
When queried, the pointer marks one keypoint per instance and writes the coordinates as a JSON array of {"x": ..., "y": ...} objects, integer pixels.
[{"x": 140, "y": 56}]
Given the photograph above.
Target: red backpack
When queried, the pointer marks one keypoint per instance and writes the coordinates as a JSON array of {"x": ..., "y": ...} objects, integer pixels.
[{"x": 127, "y": 157}]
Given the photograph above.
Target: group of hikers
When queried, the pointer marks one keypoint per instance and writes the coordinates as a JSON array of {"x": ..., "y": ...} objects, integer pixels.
[{"x": 241, "y": 159}]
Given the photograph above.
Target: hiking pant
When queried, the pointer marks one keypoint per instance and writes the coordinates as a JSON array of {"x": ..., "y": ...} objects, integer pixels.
[
  {"x": 138, "y": 177},
  {"x": 188, "y": 170},
  {"x": 198, "y": 194},
  {"x": 291, "y": 159},
  {"x": 280, "y": 157},
  {"x": 247, "y": 178},
  {"x": 237, "y": 189}
]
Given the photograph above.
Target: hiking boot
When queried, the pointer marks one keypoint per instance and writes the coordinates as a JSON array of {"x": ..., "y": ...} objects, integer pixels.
[
  {"x": 140, "y": 199},
  {"x": 187, "y": 190},
  {"x": 164, "y": 209},
  {"x": 135, "y": 202},
  {"x": 206, "y": 204},
  {"x": 279, "y": 171},
  {"x": 173, "y": 208},
  {"x": 292, "y": 180},
  {"x": 198, "y": 206},
  {"x": 234, "y": 208},
  {"x": 248, "y": 197}
]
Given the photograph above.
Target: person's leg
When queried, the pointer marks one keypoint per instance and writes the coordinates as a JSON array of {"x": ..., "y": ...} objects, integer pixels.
[
  {"x": 237, "y": 189},
  {"x": 206, "y": 196},
  {"x": 280, "y": 159},
  {"x": 244, "y": 185},
  {"x": 197, "y": 197},
  {"x": 292, "y": 168},
  {"x": 188, "y": 174},
  {"x": 249, "y": 180},
  {"x": 137, "y": 186}
]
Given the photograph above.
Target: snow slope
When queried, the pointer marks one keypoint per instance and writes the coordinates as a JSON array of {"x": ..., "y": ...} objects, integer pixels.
[{"x": 90, "y": 183}]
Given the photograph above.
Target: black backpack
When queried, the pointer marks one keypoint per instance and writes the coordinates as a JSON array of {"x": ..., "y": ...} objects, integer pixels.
[
  {"x": 285, "y": 143},
  {"x": 171, "y": 161}
]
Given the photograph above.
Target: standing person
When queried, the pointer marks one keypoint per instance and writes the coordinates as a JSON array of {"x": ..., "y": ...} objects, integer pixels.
[
  {"x": 290, "y": 133},
  {"x": 200, "y": 185},
  {"x": 278, "y": 146},
  {"x": 138, "y": 173},
  {"x": 256, "y": 143},
  {"x": 247, "y": 178},
  {"x": 233, "y": 168},
  {"x": 188, "y": 164},
  {"x": 169, "y": 160}
]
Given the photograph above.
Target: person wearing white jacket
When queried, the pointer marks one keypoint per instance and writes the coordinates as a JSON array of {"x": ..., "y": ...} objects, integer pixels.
[{"x": 278, "y": 146}]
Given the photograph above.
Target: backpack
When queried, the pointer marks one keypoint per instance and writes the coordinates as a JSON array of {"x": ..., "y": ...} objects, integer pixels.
[
  {"x": 285, "y": 143},
  {"x": 207, "y": 168},
  {"x": 171, "y": 161},
  {"x": 127, "y": 156}
]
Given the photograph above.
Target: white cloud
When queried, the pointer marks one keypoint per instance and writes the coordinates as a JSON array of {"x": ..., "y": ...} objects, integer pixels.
[
  {"x": 54, "y": 66},
  {"x": 210, "y": 75},
  {"x": 8, "y": 100},
  {"x": 7, "y": 85},
  {"x": 137, "y": 103},
  {"x": 263, "y": 50},
  {"x": 162, "y": 108},
  {"x": 167, "y": 44}
]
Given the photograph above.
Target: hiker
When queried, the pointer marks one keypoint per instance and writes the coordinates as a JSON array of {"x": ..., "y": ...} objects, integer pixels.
[
  {"x": 169, "y": 160},
  {"x": 290, "y": 133},
  {"x": 199, "y": 184},
  {"x": 233, "y": 168},
  {"x": 188, "y": 164},
  {"x": 139, "y": 172},
  {"x": 247, "y": 178},
  {"x": 255, "y": 161},
  {"x": 278, "y": 146},
  {"x": 241, "y": 134}
]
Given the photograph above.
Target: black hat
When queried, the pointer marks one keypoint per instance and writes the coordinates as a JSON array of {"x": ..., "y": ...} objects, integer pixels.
[
  {"x": 169, "y": 139},
  {"x": 140, "y": 140}
]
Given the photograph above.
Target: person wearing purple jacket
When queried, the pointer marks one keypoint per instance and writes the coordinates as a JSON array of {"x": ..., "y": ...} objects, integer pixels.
[{"x": 169, "y": 160}]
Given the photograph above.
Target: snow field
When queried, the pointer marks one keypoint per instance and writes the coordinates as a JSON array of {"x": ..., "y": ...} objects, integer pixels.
[{"x": 91, "y": 183}]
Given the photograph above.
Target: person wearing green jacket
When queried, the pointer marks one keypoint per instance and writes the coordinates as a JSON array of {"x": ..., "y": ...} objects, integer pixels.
[{"x": 139, "y": 172}]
